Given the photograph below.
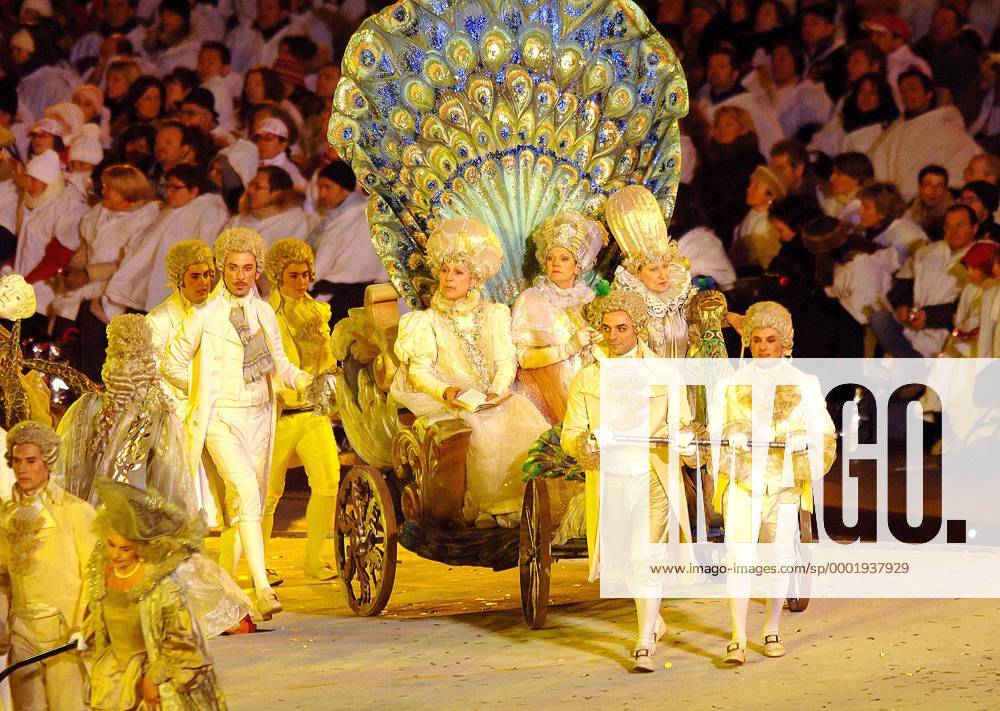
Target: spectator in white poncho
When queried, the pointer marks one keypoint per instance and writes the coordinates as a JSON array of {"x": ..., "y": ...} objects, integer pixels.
[
  {"x": 45, "y": 215},
  {"x": 272, "y": 207},
  {"x": 140, "y": 283},
  {"x": 924, "y": 134}
]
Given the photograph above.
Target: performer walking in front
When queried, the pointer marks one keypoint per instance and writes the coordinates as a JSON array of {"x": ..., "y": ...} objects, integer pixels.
[
  {"x": 45, "y": 541},
  {"x": 621, "y": 317},
  {"x": 762, "y": 488},
  {"x": 234, "y": 344}
]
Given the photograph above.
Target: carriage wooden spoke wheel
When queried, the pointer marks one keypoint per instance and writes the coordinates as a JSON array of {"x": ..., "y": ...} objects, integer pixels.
[
  {"x": 366, "y": 533},
  {"x": 535, "y": 553}
]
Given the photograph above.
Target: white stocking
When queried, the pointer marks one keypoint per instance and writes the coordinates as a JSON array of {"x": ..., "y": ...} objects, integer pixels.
[
  {"x": 230, "y": 550},
  {"x": 648, "y": 611},
  {"x": 774, "y": 603},
  {"x": 738, "y": 585},
  {"x": 253, "y": 545}
]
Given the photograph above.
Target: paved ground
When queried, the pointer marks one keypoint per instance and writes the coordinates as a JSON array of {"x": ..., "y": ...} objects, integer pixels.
[{"x": 452, "y": 638}]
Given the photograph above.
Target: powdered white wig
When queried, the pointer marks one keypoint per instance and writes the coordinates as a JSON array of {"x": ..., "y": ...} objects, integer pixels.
[{"x": 239, "y": 239}]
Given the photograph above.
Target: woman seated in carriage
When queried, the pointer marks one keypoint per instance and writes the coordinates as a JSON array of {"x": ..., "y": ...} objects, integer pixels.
[
  {"x": 549, "y": 330},
  {"x": 460, "y": 349}
]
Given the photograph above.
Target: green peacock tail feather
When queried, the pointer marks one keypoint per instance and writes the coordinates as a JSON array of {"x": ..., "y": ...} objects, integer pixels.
[
  {"x": 546, "y": 458},
  {"x": 506, "y": 111}
]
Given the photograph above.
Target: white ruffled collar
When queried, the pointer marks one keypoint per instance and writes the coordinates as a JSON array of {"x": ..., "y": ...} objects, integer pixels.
[
  {"x": 573, "y": 297},
  {"x": 468, "y": 305},
  {"x": 658, "y": 304}
]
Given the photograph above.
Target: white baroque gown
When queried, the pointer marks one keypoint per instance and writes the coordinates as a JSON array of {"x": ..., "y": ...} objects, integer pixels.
[{"x": 466, "y": 343}]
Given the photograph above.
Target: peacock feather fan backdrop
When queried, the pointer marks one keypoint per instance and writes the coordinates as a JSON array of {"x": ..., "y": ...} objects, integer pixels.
[{"x": 506, "y": 111}]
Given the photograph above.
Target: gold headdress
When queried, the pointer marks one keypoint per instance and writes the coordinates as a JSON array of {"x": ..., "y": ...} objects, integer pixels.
[
  {"x": 581, "y": 237},
  {"x": 636, "y": 221},
  {"x": 144, "y": 516},
  {"x": 290, "y": 250},
  {"x": 619, "y": 300},
  {"x": 769, "y": 314},
  {"x": 239, "y": 239},
  {"x": 468, "y": 241},
  {"x": 17, "y": 298},
  {"x": 185, "y": 254}
]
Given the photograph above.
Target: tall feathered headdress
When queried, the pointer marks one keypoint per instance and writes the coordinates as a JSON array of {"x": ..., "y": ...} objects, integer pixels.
[{"x": 506, "y": 112}]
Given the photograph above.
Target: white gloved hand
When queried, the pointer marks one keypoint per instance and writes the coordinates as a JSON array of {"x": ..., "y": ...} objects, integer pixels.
[
  {"x": 739, "y": 440},
  {"x": 798, "y": 442},
  {"x": 584, "y": 337},
  {"x": 81, "y": 643}
]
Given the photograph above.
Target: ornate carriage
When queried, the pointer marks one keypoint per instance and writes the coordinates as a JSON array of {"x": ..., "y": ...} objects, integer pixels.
[
  {"x": 409, "y": 489},
  {"x": 508, "y": 112}
]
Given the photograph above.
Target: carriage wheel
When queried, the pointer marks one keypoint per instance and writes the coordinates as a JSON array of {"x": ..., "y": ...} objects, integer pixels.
[
  {"x": 365, "y": 536},
  {"x": 798, "y": 604},
  {"x": 535, "y": 553},
  {"x": 800, "y": 585}
]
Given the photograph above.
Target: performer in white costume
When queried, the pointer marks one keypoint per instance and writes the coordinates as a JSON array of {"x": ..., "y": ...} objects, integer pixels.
[
  {"x": 622, "y": 317},
  {"x": 761, "y": 489},
  {"x": 228, "y": 357}
]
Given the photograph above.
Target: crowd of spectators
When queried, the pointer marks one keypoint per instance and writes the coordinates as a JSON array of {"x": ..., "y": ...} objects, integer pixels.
[{"x": 839, "y": 157}]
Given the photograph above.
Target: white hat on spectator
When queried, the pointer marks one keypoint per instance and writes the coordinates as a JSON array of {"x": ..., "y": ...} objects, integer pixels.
[
  {"x": 273, "y": 126},
  {"x": 44, "y": 167},
  {"x": 244, "y": 158},
  {"x": 49, "y": 125},
  {"x": 42, "y": 7},
  {"x": 70, "y": 115},
  {"x": 87, "y": 146}
]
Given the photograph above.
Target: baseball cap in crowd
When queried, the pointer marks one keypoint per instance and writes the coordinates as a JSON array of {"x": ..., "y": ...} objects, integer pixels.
[
  {"x": 50, "y": 126},
  {"x": 771, "y": 180},
  {"x": 890, "y": 24},
  {"x": 271, "y": 127}
]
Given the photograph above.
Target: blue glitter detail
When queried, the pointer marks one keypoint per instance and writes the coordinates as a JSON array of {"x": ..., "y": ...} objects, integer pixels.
[
  {"x": 504, "y": 132},
  {"x": 573, "y": 12},
  {"x": 513, "y": 21},
  {"x": 586, "y": 37},
  {"x": 385, "y": 64},
  {"x": 619, "y": 59},
  {"x": 414, "y": 59},
  {"x": 475, "y": 26},
  {"x": 399, "y": 14},
  {"x": 544, "y": 15},
  {"x": 647, "y": 98},
  {"x": 438, "y": 37},
  {"x": 543, "y": 99},
  {"x": 368, "y": 58}
]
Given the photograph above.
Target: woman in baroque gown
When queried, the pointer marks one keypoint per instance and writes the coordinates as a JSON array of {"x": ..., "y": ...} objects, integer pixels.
[
  {"x": 144, "y": 634},
  {"x": 652, "y": 268},
  {"x": 461, "y": 343},
  {"x": 548, "y": 327}
]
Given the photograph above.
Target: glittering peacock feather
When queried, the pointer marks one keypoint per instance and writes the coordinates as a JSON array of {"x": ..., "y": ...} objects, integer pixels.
[{"x": 507, "y": 111}]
